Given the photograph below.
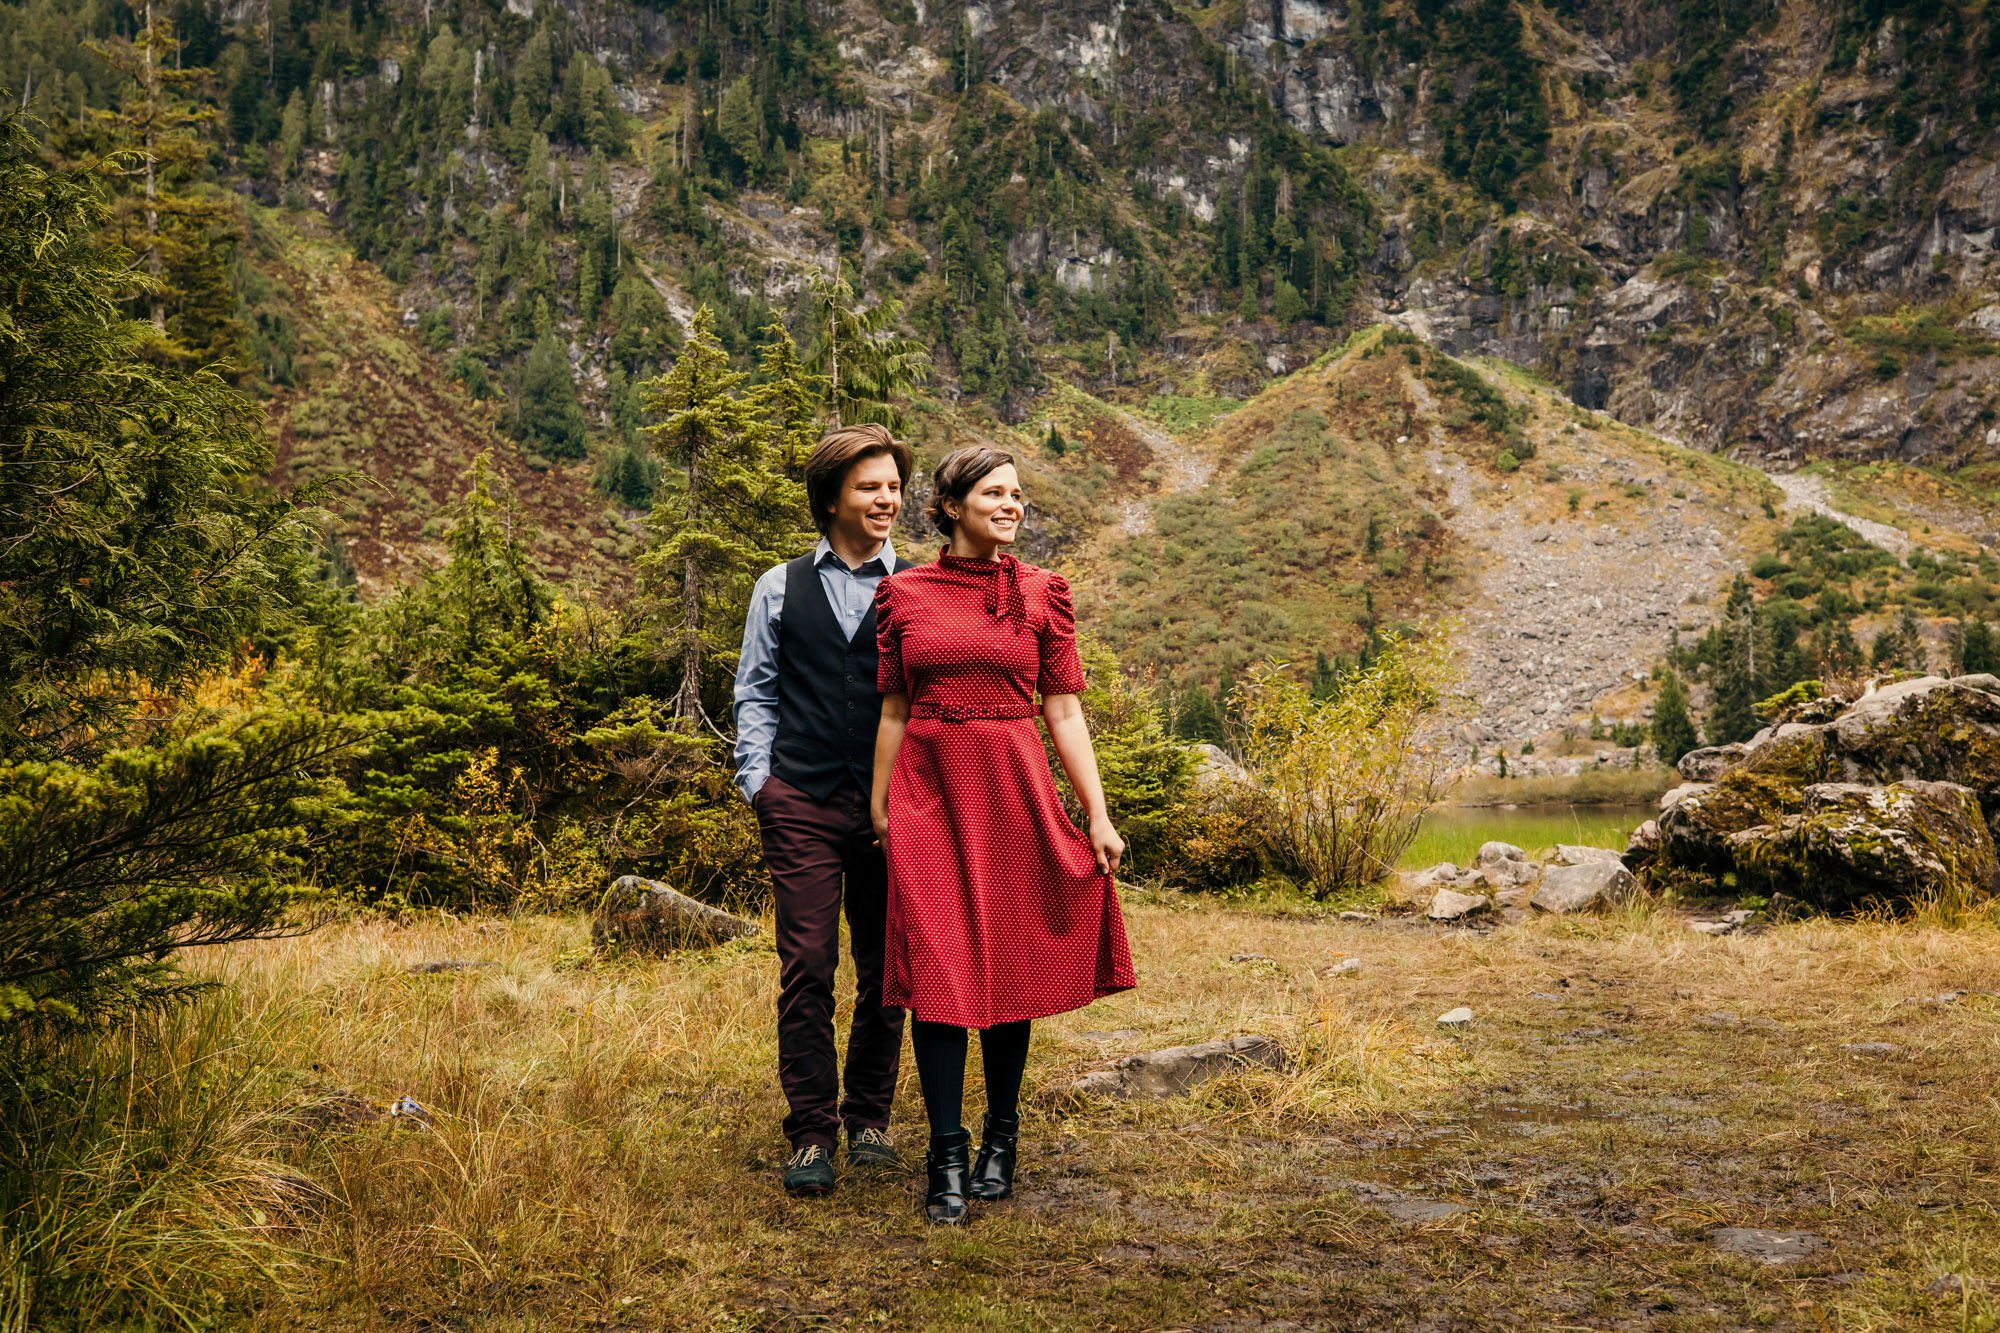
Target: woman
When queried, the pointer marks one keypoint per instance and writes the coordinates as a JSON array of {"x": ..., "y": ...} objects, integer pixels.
[{"x": 1000, "y": 912}]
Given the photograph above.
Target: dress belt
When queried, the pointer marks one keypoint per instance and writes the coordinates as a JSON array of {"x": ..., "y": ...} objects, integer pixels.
[{"x": 967, "y": 712}]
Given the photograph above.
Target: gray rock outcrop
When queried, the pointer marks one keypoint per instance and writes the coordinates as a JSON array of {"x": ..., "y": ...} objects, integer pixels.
[
  {"x": 1177, "y": 1069},
  {"x": 1888, "y": 798},
  {"x": 647, "y": 916},
  {"x": 1451, "y": 905},
  {"x": 1573, "y": 888}
]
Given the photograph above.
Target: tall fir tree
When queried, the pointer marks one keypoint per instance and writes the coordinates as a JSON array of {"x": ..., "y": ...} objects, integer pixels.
[
  {"x": 786, "y": 400},
  {"x": 724, "y": 515},
  {"x": 1976, "y": 650},
  {"x": 551, "y": 420},
  {"x": 1673, "y": 725},
  {"x": 181, "y": 230},
  {"x": 1732, "y": 715},
  {"x": 866, "y": 363}
]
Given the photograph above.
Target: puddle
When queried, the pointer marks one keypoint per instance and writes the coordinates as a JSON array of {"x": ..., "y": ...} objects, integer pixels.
[{"x": 1536, "y": 1119}]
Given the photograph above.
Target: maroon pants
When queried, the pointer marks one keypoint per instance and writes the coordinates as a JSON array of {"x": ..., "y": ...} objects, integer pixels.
[{"x": 811, "y": 846}]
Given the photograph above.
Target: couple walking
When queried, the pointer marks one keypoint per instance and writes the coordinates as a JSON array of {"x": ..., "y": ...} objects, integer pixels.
[{"x": 888, "y": 707}]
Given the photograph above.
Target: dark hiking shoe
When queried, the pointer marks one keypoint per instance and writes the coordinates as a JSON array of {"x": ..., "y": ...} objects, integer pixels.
[
  {"x": 810, "y": 1171},
  {"x": 872, "y": 1147}
]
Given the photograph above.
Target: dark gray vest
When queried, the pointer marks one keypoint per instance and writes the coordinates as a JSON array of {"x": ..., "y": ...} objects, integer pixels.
[{"x": 828, "y": 709}]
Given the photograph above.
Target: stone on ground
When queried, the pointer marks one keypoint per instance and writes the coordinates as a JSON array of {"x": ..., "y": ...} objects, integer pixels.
[
  {"x": 1503, "y": 865},
  {"x": 1346, "y": 967},
  {"x": 1770, "y": 1247},
  {"x": 1569, "y": 855},
  {"x": 1460, "y": 1017},
  {"x": 1573, "y": 888},
  {"x": 647, "y": 916},
  {"x": 1450, "y": 905},
  {"x": 1175, "y": 1070}
]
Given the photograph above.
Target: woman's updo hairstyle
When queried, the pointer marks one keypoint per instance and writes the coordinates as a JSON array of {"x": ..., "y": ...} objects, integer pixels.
[{"x": 956, "y": 475}]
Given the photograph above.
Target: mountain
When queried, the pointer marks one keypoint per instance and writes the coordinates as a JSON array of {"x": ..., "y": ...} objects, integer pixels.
[{"x": 1139, "y": 240}]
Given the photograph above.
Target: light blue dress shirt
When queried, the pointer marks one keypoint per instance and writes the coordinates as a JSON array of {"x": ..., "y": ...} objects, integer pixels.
[{"x": 850, "y": 592}]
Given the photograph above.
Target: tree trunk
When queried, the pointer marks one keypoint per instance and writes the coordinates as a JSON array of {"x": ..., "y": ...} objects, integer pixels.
[
  {"x": 152, "y": 189},
  {"x": 688, "y": 705}
]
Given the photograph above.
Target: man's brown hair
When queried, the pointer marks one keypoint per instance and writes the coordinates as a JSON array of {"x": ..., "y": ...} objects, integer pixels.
[{"x": 838, "y": 451}]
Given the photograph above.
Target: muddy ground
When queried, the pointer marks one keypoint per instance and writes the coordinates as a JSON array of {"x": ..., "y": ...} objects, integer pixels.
[{"x": 1628, "y": 1089}]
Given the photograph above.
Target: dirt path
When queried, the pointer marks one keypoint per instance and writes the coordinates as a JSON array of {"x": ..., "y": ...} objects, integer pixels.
[
  {"x": 1181, "y": 468},
  {"x": 1811, "y": 493}
]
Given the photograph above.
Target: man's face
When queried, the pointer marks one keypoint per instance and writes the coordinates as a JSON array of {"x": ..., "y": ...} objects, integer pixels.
[{"x": 870, "y": 497}]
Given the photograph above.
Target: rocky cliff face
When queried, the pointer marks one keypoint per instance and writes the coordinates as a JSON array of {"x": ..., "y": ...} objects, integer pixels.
[{"x": 1769, "y": 231}]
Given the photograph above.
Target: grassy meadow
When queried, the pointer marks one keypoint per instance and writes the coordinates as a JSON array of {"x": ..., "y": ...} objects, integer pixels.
[{"x": 602, "y": 1149}]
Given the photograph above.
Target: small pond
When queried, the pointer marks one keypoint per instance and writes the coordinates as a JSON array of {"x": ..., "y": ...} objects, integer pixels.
[{"x": 1453, "y": 832}]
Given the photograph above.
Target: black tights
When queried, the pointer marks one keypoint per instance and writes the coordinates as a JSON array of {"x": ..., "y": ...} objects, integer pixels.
[{"x": 940, "y": 1052}]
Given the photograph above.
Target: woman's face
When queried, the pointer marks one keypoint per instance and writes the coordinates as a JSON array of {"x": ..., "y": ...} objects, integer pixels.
[{"x": 990, "y": 515}]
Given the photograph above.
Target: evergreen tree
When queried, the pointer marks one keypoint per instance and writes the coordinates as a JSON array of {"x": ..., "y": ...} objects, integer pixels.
[
  {"x": 551, "y": 419},
  {"x": 1732, "y": 715},
  {"x": 1834, "y": 651},
  {"x": 725, "y": 514},
  {"x": 741, "y": 125},
  {"x": 1977, "y": 650},
  {"x": 786, "y": 401},
  {"x": 866, "y": 363},
  {"x": 180, "y": 230},
  {"x": 1199, "y": 719},
  {"x": 134, "y": 554},
  {"x": 1900, "y": 647},
  {"x": 135, "y": 559},
  {"x": 1673, "y": 725}
]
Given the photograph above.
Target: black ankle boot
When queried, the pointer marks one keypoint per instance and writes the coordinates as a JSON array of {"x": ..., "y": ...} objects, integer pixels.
[
  {"x": 945, "y": 1168},
  {"x": 993, "y": 1177}
]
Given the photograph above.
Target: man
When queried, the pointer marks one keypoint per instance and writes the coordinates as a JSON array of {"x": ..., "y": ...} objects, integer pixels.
[{"x": 806, "y": 714}]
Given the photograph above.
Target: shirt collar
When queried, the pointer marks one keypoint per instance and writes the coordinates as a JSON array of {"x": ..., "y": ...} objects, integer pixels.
[{"x": 885, "y": 558}]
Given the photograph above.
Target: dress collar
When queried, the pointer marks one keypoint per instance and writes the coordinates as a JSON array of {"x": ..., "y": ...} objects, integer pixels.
[{"x": 1004, "y": 597}]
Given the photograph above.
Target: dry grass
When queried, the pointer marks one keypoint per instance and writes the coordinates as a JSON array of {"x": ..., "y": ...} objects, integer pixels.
[{"x": 605, "y": 1148}]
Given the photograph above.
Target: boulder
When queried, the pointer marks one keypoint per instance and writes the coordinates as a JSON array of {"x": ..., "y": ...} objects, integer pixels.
[
  {"x": 1569, "y": 855},
  {"x": 1444, "y": 872},
  {"x": 649, "y": 917},
  {"x": 1218, "y": 779},
  {"x": 1645, "y": 839},
  {"x": 1706, "y": 765},
  {"x": 1673, "y": 796},
  {"x": 1496, "y": 853},
  {"x": 1502, "y": 865},
  {"x": 1853, "y": 843},
  {"x": 1576, "y": 887},
  {"x": 1930, "y": 729},
  {"x": 1175, "y": 1070},
  {"x": 1450, "y": 905}
]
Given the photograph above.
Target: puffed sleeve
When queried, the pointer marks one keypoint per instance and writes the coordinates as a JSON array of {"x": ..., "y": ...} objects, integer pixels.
[
  {"x": 888, "y": 642},
  {"x": 1061, "y": 668}
]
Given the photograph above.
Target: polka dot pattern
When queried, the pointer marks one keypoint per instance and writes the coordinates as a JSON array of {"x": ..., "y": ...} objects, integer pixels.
[{"x": 997, "y": 910}]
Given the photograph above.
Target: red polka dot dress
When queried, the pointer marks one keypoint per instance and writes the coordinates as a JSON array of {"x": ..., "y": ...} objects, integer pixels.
[{"x": 997, "y": 910}]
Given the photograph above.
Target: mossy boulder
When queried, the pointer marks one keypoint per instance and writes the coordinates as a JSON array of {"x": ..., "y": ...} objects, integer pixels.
[
  {"x": 1889, "y": 800},
  {"x": 1852, "y": 844},
  {"x": 1928, "y": 729}
]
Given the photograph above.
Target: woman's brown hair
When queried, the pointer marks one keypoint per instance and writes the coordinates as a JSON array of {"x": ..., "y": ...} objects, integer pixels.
[
  {"x": 957, "y": 473},
  {"x": 839, "y": 450}
]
